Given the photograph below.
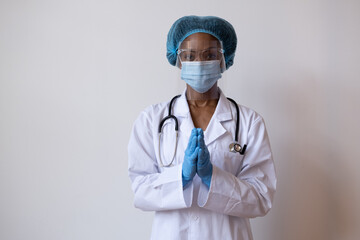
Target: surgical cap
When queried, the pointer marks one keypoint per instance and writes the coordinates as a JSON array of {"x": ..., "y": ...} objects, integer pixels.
[{"x": 218, "y": 27}]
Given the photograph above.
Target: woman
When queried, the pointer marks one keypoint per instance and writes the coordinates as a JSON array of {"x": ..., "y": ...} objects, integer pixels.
[{"x": 196, "y": 186}]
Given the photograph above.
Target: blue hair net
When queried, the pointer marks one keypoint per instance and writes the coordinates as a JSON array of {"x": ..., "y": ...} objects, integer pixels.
[{"x": 218, "y": 27}]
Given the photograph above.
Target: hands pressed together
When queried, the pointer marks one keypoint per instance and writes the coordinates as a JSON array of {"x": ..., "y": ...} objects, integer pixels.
[{"x": 197, "y": 159}]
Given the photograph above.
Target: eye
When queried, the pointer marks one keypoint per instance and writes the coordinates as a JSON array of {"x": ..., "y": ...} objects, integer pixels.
[
  {"x": 211, "y": 57},
  {"x": 187, "y": 56},
  {"x": 210, "y": 54}
]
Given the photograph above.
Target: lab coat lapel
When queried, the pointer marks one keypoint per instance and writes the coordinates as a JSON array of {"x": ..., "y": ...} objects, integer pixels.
[
  {"x": 222, "y": 113},
  {"x": 182, "y": 112}
]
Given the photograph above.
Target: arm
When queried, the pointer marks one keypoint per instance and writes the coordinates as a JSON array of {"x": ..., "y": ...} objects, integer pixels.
[
  {"x": 154, "y": 188},
  {"x": 250, "y": 192}
]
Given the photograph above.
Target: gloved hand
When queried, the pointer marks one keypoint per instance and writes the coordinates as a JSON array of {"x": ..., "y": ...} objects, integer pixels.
[
  {"x": 190, "y": 159},
  {"x": 204, "y": 166}
]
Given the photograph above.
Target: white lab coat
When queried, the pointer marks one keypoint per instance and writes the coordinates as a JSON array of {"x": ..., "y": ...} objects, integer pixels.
[{"x": 242, "y": 186}]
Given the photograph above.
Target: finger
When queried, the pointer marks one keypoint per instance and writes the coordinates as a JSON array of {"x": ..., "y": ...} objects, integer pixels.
[
  {"x": 193, "y": 134},
  {"x": 193, "y": 144},
  {"x": 194, "y": 131},
  {"x": 194, "y": 155},
  {"x": 201, "y": 156},
  {"x": 201, "y": 142}
]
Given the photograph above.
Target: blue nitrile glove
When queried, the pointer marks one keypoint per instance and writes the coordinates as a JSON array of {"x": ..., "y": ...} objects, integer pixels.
[
  {"x": 204, "y": 166},
  {"x": 190, "y": 159}
]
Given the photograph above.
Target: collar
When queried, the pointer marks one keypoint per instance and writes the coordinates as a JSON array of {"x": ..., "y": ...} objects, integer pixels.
[
  {"x": 215, "y": 128},
  {"x": 222, "y": 111}
]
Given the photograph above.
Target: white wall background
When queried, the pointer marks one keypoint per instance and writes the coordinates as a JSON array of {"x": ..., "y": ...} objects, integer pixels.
[{"x": 75, "y": 74}]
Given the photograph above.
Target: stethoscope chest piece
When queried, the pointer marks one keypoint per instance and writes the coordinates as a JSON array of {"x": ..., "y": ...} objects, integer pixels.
[{"x": 236, "y": 147}]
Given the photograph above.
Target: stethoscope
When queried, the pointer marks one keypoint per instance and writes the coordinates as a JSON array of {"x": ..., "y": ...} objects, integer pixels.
[{"x": 233, "y": 147}]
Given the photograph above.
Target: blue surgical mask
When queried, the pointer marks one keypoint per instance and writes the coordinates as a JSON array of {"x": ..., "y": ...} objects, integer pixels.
[{"x": 201, "y": 75}]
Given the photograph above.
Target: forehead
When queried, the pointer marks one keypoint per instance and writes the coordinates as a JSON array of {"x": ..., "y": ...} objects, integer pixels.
[{"x": 200, "y": 41}]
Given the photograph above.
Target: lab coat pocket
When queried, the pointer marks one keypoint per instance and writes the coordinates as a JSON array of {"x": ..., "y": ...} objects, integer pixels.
[{"x": 228, "y": 161}]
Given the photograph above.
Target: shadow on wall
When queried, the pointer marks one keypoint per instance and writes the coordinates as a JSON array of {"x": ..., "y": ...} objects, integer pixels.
[{"x": 315, "y": 197}]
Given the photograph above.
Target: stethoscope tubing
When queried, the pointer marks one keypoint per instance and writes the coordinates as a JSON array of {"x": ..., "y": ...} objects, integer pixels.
[
  {"x": 237, "y": 118},
  {"x": 171, "y": 116}
]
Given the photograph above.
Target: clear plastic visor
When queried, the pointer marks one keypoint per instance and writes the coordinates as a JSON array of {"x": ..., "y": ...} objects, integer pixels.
[{"x": 207, "y": 50}]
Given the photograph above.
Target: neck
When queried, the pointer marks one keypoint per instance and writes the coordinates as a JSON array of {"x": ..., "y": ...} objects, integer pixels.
[{"x": 212, "y": 93}]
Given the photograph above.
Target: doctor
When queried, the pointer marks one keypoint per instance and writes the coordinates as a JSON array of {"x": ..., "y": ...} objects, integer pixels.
[{"x": 198, "y": 188}]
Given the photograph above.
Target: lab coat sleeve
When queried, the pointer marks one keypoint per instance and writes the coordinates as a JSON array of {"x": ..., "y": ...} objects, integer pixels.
[
  {"x": 154, "y": 190},
  {"x": 250, "y": 192}
]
